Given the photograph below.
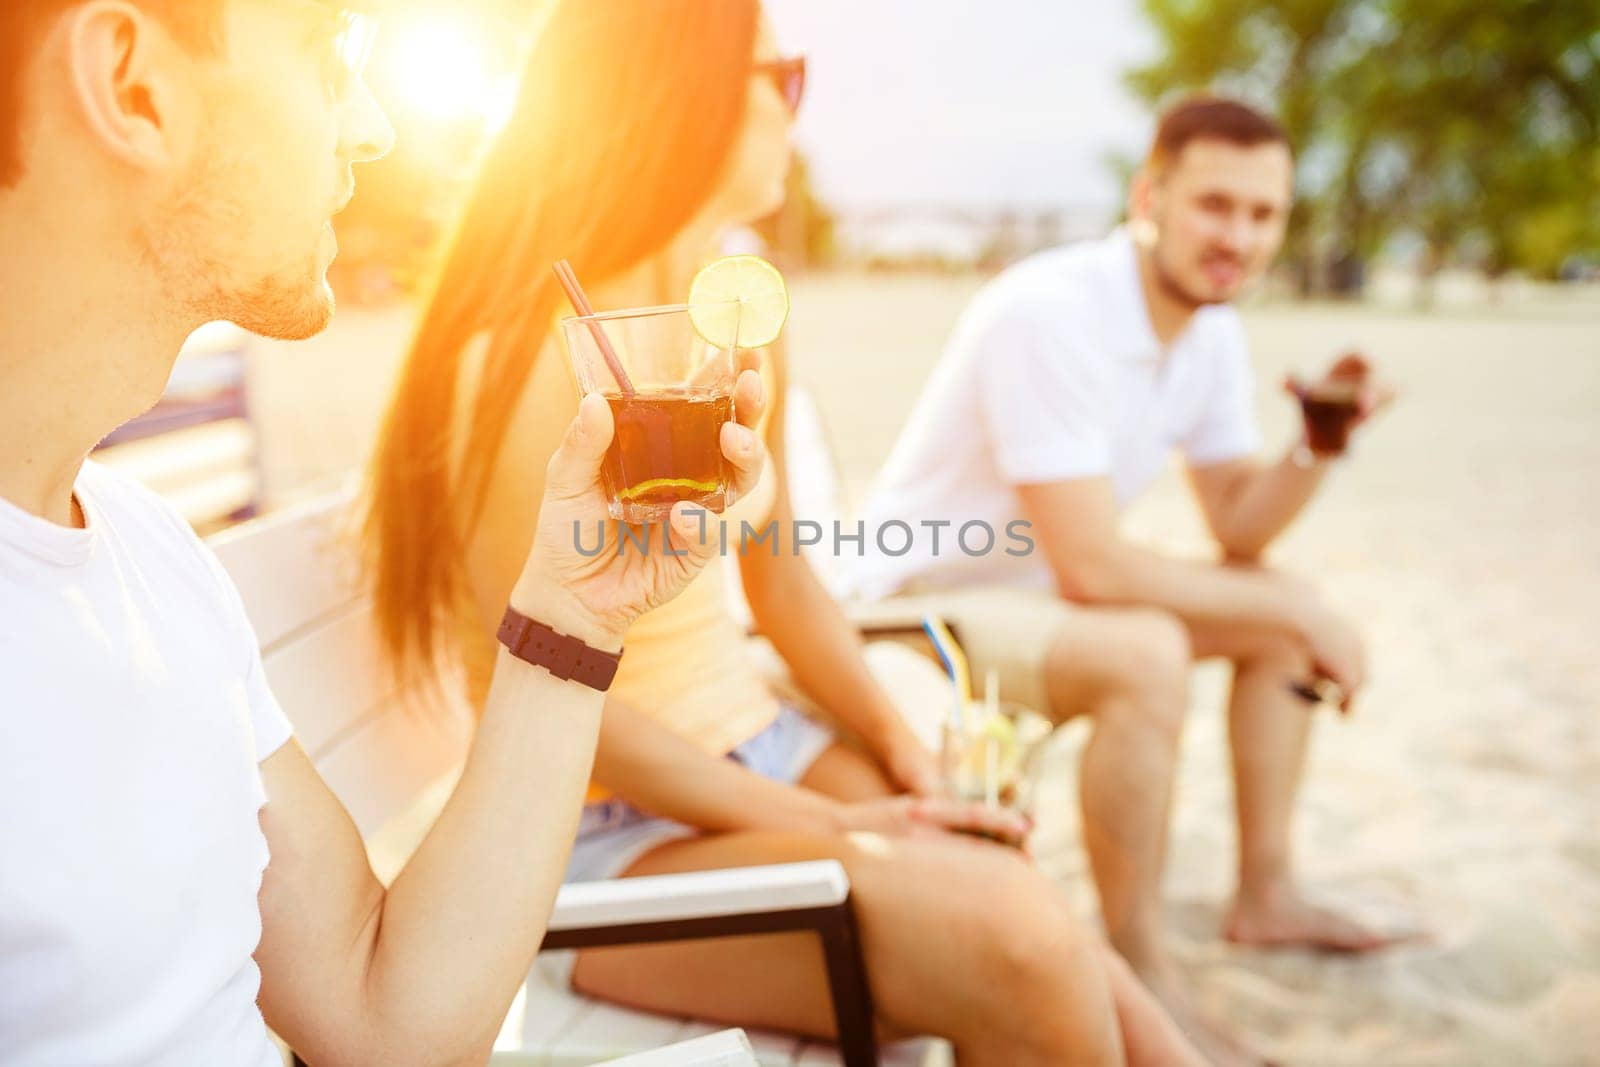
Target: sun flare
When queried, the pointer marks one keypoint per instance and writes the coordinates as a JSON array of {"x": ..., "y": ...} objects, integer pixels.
[{"x": 446, "y": 68}]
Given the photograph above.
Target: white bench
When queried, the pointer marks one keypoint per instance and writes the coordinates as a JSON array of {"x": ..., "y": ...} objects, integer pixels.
[
  {"x": 392, "y": 755},
  {"x": 731, "y": 1048}
]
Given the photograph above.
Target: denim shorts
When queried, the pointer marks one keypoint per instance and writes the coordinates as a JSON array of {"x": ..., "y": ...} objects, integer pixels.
[{"x": 613, "y": 834}]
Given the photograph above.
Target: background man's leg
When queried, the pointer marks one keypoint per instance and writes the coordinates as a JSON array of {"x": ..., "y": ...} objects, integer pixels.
[
  {"x": 1269, "y": 730},
  {"x": 1129, "y": 669}
]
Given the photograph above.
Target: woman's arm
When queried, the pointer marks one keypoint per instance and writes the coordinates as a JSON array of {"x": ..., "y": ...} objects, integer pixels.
[
  {"x": 663, "y": 773},
  {"x": 811, "y": 632},
  {"x": 668, "y": 776}
]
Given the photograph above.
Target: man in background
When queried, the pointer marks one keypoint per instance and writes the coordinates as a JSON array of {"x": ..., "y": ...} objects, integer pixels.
[{"x": 1066, "y": 385}]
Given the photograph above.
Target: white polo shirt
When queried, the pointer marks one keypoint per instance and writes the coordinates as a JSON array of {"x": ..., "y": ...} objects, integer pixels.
[
  {"x": 134, "y": 714},
  {"x": 1053, "y": 373}
]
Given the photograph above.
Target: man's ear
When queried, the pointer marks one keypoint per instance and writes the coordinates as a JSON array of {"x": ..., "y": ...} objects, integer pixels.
[
  {"x": 1140, "y": 191},
  {"x": 1143, "y": 192},
  {"x": 122, "y": 63}
]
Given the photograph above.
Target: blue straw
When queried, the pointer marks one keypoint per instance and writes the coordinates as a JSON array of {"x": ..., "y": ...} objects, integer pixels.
[{"x": 934, "y": 636}]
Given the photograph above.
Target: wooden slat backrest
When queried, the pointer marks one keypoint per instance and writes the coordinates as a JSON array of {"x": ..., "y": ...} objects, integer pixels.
[
  {"x": 377, "y": 745},
  {"x": 293, "y": 567}
]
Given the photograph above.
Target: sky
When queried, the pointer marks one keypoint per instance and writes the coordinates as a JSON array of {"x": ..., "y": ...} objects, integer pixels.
[{"x": 972, "y": 103}]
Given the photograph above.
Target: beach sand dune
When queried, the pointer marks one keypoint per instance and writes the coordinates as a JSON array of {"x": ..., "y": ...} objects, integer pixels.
[{"x": 1464, "y": 534}]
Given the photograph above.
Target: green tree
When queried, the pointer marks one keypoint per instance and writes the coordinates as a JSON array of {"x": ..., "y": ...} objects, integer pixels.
[{"x": 1469, "y": 125}]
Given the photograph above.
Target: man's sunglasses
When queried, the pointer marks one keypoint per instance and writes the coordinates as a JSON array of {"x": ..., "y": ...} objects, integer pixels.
[
  {"x": 343, "y": 38},
  {"x": 358, "y": 34},
  {"x": 789, "y": 75}
]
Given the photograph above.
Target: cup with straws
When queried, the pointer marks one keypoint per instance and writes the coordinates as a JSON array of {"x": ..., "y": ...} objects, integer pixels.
[{"x": 986, "y": 744}]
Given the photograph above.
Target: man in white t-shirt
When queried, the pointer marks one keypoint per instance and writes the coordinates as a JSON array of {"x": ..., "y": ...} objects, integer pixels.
[
  {"x": 1063, "y": 390},
  {"x": 174, "y": 876}
]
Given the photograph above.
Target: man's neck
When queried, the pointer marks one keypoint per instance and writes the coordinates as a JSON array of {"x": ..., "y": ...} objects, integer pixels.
[
  {"x": 1169, "y": 314},
  {"x": 85, "y": 346}
]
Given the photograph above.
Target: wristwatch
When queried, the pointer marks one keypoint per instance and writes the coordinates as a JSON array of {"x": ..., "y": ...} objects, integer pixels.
[{"x": 562, "y": 655}]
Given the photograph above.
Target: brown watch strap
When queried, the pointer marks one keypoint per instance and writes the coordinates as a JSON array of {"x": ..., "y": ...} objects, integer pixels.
[{"x": 562, "y": 655}]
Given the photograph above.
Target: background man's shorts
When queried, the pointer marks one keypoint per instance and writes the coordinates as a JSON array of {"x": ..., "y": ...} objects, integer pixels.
[{"x": 1007, "y": 629}]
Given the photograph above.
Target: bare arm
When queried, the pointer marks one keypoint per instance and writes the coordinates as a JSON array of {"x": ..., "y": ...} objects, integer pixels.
[
  {"x": 424, "y": 972},
  {"x": 663, "y": 773},
  {"x": 823, "y": 651},
  {"x": 820, "y": 645},
  {"x": 1076, "y": 526},
  {"x": 1248, "y": 504}
]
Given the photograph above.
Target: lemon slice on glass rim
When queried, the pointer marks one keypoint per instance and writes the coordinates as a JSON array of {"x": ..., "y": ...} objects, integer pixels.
[{"x": 738, "y": 302}]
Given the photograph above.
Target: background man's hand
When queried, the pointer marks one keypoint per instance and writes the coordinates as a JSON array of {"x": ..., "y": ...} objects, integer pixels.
[
  {"x": 1337, "y": 652},
  {"x": 1373, "y": 395}
]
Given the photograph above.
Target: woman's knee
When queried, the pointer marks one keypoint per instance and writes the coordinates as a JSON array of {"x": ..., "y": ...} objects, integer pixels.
[{"x": 973, "y": 941}]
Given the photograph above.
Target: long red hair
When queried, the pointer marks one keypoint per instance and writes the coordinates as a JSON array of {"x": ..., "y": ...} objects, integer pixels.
[{"x": 627, "y": 115}]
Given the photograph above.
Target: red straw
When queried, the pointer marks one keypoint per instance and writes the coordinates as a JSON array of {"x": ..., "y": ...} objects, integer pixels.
[{"x": 569, "y": 282}]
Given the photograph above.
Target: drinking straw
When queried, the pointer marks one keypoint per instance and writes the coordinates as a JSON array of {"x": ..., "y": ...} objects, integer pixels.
[
  {"x": 991, "y": 772},
  {"x": 580, "y": 302},
  {"x": 955, "y": 664},
  {"x": 991, "y": 711}
]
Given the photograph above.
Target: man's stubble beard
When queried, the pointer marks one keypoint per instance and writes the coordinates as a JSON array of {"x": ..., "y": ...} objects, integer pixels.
[
  {"x": 1174, "y": 289},
  {"x": 194, "y": 242},
  {"x": 277, "y": 309}
]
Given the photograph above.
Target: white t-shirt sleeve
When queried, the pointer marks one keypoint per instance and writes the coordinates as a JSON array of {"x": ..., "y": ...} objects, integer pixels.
[
  {"x": 175, "y": 538},
  {"x": 268, "y": 722},
  {"x": 1039, "y": 387},
  {"x": 1227, "y": 429}
]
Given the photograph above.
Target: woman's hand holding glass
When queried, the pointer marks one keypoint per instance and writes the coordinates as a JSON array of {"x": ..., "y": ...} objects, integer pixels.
[{"x": 595, "y": 595}]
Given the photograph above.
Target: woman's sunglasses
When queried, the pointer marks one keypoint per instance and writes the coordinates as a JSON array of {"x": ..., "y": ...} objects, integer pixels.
[{"x": 789, "y": 75}]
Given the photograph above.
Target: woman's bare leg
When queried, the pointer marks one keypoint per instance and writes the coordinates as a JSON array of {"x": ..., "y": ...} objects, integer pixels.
[
  {"x": 845, "y": 774},
  {"x": 962, "y": 940},
  {"x": 1149, "y": 1035},
  {"x": 1010, "y": 978}
]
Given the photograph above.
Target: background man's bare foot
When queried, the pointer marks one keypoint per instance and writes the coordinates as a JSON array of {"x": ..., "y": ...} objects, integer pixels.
[
  {"x": 1216, "y": 1042},
  {"x": 1285, "y": 919}
]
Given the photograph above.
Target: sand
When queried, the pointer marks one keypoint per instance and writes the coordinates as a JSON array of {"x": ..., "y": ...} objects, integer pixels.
[{"x": 1464, "y": 535}]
